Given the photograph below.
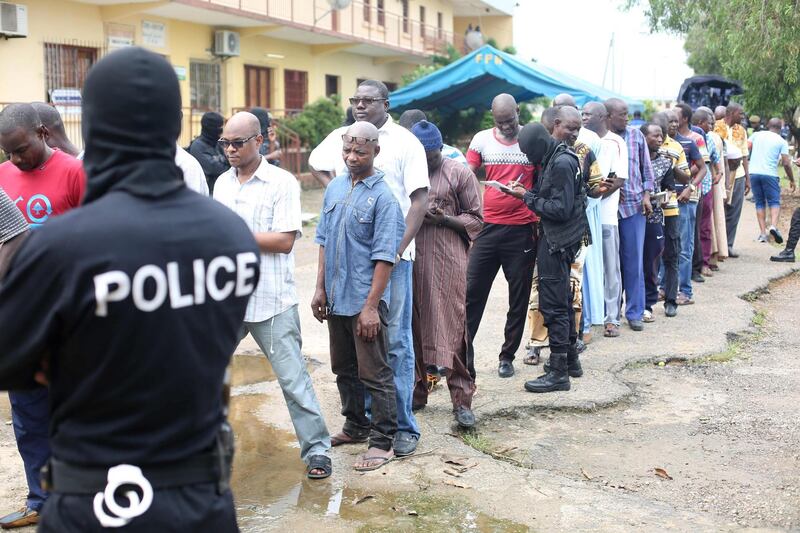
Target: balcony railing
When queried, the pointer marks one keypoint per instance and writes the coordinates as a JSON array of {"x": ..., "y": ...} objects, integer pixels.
[{"x": 362, "y": 21}]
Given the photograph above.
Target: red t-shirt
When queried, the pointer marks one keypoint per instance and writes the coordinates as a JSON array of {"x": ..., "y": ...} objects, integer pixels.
[
  {"x": 504, "y": 162},
  {"x": 48, "y": 191}
]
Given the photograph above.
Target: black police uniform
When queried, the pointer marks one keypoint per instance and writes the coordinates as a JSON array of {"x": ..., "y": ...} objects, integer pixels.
[
  {"x": 135, "y": 301},
  {"x": 559, "y": 198}
]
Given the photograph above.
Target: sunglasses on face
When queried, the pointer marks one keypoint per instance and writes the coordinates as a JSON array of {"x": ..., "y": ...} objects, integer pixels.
[
  {"x": 366, "y": 101},
  {"x": 357, "y": 140},
  {"x": 225, "y": 143}
]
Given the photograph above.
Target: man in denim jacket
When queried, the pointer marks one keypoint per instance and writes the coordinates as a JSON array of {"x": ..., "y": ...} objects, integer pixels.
[{"x": 359, "y": 234}]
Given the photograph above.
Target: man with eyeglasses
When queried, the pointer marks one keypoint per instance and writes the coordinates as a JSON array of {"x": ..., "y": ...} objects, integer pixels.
[
  {"x": 403, "y": 162},
  {"x": 268, "y": 199}
]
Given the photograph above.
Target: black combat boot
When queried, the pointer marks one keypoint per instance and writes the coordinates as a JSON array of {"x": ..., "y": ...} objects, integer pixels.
[
  {"x": 556, "y": 379},
  {"x": 573, "y": 362}
]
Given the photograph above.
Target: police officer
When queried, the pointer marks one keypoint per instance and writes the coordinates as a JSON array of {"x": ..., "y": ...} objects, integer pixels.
[
  {"x": 559, "y": 198},
  {"x": 130, "y": 307}
]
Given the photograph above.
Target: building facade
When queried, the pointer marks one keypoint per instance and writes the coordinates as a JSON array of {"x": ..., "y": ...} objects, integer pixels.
[{"x": 230, "y": 54}]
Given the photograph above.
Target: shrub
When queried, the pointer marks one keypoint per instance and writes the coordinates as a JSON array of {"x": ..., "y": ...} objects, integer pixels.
[{"x": 317, "y": 120}]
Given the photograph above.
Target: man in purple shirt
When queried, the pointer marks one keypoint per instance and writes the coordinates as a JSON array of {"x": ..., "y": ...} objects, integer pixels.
[{"x": 634, "y": 205}]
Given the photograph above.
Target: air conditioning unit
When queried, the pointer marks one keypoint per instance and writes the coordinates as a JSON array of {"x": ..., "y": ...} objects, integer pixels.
[
  {"x": 226, "y": 43},
  {"x": 13, "y": 20}
]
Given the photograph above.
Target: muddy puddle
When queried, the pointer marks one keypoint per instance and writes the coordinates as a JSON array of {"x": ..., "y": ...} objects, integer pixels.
[{"x": 271, "y": 489}]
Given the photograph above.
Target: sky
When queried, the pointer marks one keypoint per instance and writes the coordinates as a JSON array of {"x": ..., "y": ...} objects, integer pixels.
[{"x": 643, "y": 65}]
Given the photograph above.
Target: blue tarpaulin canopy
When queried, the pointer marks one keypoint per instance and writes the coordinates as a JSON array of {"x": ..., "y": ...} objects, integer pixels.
[{"x": 475, "y": 79}]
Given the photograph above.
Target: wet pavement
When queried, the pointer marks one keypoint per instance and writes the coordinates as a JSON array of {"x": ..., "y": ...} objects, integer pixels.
[{"x": 270, "y": 485}]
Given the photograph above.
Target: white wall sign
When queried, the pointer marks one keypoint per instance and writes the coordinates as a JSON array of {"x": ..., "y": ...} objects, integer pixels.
[
  {"x": 154, "y": 34},
  {"x": 115, "y": 42}
]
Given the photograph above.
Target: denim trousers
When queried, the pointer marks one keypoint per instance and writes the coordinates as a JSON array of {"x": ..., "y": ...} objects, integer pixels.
[
  {"x": 631, "y": 250},
  {"x": 279, "y": 339},
  {"x": 30, "y": 415},
  {"x": 688, "y": 218},
  {"x": 401, "y": 344}
]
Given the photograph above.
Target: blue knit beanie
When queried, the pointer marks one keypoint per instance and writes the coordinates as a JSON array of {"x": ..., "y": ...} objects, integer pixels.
[{"x": 428, "y": 134}]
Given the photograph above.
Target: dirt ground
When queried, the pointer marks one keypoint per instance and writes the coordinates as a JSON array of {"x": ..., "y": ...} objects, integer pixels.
[{"x": 718, "y": 419}]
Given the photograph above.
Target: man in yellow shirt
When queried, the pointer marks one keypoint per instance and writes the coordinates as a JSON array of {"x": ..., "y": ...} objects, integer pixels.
[{"x": 733, "y": 133}]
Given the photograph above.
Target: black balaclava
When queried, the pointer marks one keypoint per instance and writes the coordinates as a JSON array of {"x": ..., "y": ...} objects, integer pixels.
[
  {"x": 536, "y": 143},
  {"x": 211, "y": 126},
  {"x": 263, "y": 119},
  {"x": 131, "y": 118}
]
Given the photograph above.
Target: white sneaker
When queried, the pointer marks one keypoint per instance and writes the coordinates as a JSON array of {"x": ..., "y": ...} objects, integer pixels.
[
  {"x": 647, "y": 316},
  {"x": 762, "y": 238}
]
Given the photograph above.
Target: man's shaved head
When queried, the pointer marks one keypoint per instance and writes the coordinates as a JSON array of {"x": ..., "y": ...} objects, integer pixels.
[
  {"x": 617, "y": 115},
  {"x": 504, "y": 102},
  {"x": 567, "y": 124},
  {"x": 564, "y": 99},
  {"x": 244, "y": 128},
  {"x": 662, "y": 121},
  {"x": 363, "y": 129},
  {"x": 775, "y": 124},
  {"x": 411, "y": 117},
  {"x": 549, "y": 118},
  {"x": 615, "y": 104},
  {"x": 49, "y": 115},
  {"x": 594, "y": 116},
  {"x": 19, "y": 116},
  {"x": 720, "y": 111},
  {"x": 22, "y": 137},
  {"x": 243, "y": 123},
  {"x": 505, "y": 112}
]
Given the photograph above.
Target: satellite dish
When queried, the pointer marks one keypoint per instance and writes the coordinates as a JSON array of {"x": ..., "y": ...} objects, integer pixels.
[
  {"x": 473, "y": 39},
  {"x": 339, "y": 4}
]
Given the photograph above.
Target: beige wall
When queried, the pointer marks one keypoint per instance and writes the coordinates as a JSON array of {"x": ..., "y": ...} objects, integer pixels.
[
  {"x": 62, "y": 21},
  {"x": 501, "y": 28}
]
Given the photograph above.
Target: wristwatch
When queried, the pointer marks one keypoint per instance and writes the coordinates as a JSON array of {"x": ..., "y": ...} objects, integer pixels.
[{"x": 692, "y": 187}]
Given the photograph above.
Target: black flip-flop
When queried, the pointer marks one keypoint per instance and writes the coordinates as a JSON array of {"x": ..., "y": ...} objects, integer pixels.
[
  {"x": 319, "y": 462},
  {"x": 383, "y": 461}
]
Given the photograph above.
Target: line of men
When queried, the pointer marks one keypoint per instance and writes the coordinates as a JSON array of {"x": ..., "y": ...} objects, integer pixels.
[{"x": 384, "y": 295}]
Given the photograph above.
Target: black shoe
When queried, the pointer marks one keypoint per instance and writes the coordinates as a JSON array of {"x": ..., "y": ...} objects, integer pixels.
[
  {"x": 465, "y": 417},
  {"x": 786, "y": 256},
  {"x": 505, "y": 369},
  {"x": 405, "y": 443},
  {"x": 417, "y": 407},
  {"x": 636, "y": 325},
  {"x": 776, "y": 235},
  {"x": 556, "y": 379},
  {"x": 670, "y": 309},
  {"x": 697, "y": 278},
  {"x": 574, "y": 368}
]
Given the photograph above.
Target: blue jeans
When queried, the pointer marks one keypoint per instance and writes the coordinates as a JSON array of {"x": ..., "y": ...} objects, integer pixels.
[
  {"x": 279, "y": 339},
  {"x": 688, "y": 219},
  {"x": 30, "y": 414},
  {"x": 631, "y": 257},
  {"x": 401, "y": 344}
]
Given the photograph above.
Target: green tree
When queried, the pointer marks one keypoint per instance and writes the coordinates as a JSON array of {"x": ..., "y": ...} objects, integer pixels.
[
  {"x": 317, "y": 120},
  {"x": 753, "y": 42}
]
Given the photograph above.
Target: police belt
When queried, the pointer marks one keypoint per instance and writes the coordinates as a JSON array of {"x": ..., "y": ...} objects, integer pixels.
[{"x": 66, "y": 478}]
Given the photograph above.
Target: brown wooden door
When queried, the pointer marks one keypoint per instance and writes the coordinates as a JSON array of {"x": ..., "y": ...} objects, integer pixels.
[
  {"x": 257, "y": 83},
  {"x": 295, "y": 89}
]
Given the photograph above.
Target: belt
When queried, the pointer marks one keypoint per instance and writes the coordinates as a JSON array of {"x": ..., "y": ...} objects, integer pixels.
[{"x": 66, "y": 478}]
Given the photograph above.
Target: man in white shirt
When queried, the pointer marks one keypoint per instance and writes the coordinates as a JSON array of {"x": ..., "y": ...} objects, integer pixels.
[
  {"x": 402, "y": 160},
  {"x": 613, "y": 160},
  {"x": 193, "y": 173},
  {"x": 268, "y": 199}
]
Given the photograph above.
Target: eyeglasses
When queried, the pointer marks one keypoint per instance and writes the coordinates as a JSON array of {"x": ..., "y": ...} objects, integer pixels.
[
  {"x": 225, "y": 143},
  {"x": 357, "y": 140},
  {"x": 366, "y": 101}
]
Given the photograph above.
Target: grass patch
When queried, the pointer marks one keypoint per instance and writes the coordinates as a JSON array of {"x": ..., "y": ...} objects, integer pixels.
[
  {"x": 475, "y": 440},
  {"x": 759, "y": 318}
]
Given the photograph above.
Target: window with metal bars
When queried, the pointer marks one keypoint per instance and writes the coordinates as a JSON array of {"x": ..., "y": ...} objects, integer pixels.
[
  {"x": 405, "y": 16},
  {"x": 422, "y": 21},
  {"x": 205, "y": 85},
  {"x": 367, "y": 11},
  {"x": 381, "y": 13},
  {"x": 66, "y": 66},
  {"x": 295, "y": 87}
]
